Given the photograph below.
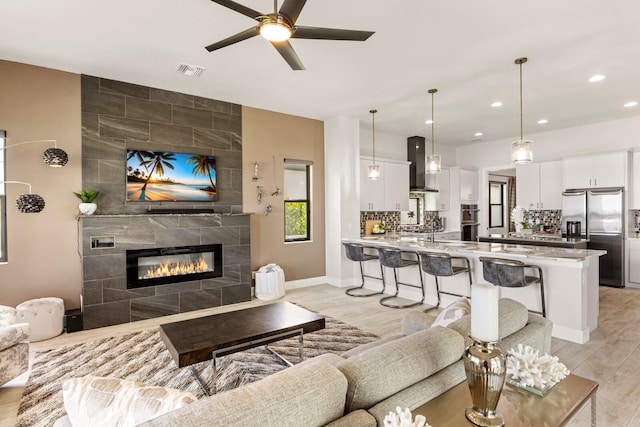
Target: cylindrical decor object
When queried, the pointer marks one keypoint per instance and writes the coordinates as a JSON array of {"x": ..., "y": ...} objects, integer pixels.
[
  {"x": 486, "y": 370},
  {"x": 484, "y": 313}
]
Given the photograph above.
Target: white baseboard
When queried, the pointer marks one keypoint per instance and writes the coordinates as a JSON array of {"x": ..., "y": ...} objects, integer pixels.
[{"x": 305, "y": 283}]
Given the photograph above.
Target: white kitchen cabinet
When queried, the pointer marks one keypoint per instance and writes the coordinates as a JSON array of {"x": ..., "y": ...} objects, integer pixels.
[
  {"x": 635, "y": 184},
  {"x": 448, "y": 235},
  {"x": 468, "y": 186},
  {"x": 396, "y": 186},
  {"x": 600, "y": 170},
  {"x": 442, "y": 183},
  {"x": 371, "y": 191},
  {"x": 634, "y": 260},
  {"x": 539, "y": 185},
  {"x": 390, "y": 192}
]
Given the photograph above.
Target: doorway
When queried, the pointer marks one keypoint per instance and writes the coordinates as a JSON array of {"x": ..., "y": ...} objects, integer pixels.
[{"x": 500, "y": 201}]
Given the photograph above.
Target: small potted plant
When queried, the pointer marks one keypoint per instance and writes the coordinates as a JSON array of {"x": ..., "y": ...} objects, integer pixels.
[{"x": 87, "y": 207}]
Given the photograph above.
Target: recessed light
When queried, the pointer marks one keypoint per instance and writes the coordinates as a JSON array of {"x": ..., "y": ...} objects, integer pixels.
[
  {"x": 478, "y": 134},
  {"x": 496, "y": 104},
  {"x": 543, "y": 121},
  {"x": 631, "y": 104},
  {"x": 596, "y": 78},
  {"x": 429, "y": 121}
]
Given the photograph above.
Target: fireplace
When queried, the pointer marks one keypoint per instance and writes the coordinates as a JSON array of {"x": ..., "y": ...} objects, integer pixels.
[{"x": 161, "y": 266}]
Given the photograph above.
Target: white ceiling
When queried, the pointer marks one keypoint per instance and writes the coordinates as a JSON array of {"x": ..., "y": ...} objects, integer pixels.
[{"x": 466, "y": 49}]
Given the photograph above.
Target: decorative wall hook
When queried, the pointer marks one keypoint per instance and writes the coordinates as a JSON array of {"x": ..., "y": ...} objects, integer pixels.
[
  {"x": 255, "y": 171},
  {"x": 260, "y": 194},
  {"x": 268, "y": 209}
]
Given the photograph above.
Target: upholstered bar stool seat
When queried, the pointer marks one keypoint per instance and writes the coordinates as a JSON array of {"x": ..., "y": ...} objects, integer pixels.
[
  {"x": 511, "y": 273},
  {"x": 356, "y": 253},
  {"x": 438, "y": 264},
  {"x": 45, "y": 315},
  {"x": 393, "y": 258}
]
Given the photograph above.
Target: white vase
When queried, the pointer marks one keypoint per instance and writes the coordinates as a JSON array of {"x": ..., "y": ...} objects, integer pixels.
[
  {"x": 518, "y": 228},
  {"x": 87, "y": 208}
]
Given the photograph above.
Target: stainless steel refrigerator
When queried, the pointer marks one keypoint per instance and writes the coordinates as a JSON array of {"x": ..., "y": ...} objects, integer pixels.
[{"x": 601, "y": 214}]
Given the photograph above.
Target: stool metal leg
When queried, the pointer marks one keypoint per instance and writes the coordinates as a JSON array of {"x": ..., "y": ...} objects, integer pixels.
[
  {"x": 353, "y": 292},
  {"x": 383, "y": 301}
]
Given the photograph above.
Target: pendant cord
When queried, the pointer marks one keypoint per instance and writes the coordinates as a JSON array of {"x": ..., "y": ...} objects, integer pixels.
[
  {"x": 373, "y": 137},
  {"x": 521, "y": 127},
  {"x": 432, "y": 126},
  {"x": 275, "y": 6}
]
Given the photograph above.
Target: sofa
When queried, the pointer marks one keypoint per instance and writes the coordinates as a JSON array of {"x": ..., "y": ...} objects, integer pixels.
[
  {"x": 14, "y": 345},
  {"x": 361, "y": 386}
]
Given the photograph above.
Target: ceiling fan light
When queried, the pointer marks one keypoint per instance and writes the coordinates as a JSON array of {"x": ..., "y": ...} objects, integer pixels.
[
  {"x": 55, "y": 157},
  {"x": 275, "y": 29},
  {"x": 521, "y": 152},
  {"x": 434, "y": 164}
]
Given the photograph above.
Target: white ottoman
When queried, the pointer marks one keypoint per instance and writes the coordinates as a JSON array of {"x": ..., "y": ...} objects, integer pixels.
[
  {"x": 45, "y": 315},
  {"x": 270, "y": 282}
]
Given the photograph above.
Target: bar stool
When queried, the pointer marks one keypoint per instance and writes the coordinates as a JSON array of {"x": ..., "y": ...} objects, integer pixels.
[
  {"x": 355, "y": 252},
  {"x": 392, "y": 258},
  {"x": 510, "y": 273},
  {"x": 438, "y": 264}
]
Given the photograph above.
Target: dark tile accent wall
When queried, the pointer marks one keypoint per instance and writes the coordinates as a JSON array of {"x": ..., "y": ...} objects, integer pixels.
[
  {"x": 391, "y": 219},
  {"x": 107, "y": 301},
  {"x": 118, "y": 115}
]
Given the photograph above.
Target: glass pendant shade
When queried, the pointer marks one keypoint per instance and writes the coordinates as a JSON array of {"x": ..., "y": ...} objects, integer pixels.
[
  {"x": 521, "y": 152},
  {"x": 433, "y": 164},
  {"x": 30, "y": 203},
  {"x": 374, "y": 172},
  {"x": 55, "y": 157}
]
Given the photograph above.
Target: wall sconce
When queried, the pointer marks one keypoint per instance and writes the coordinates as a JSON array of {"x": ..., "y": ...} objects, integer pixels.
[
  {"x": 27, "y": 203},
  {"x": 255, "y": 171},
  {"x": 54, "y": 157}
]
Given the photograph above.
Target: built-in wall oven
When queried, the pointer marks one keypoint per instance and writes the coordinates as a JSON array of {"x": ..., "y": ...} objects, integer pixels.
[{"x": 469, "y": 222}]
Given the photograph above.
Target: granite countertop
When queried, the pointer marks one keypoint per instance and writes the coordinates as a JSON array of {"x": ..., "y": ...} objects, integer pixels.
[
  {"x": 537, "y": 240},
  {"x": 416, "y": 243}
]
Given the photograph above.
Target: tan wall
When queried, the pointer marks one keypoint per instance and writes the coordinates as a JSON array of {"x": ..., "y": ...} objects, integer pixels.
[
  {"x": 266, "y": 134},
  {"x": 39, "y": 103}
]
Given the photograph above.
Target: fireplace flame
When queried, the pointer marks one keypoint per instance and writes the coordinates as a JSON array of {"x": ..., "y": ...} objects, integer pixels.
[{"x": 177, "y": 268}]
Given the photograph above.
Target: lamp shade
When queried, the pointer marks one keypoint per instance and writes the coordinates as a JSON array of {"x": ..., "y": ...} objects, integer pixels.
[
  {"x": 521, "y": 152},
  {"x": 55, "y": 157},
  {"x": 434, "y": 164},
  {"x": 30, "y": 203},
  {"x": 374, "y": 172}
]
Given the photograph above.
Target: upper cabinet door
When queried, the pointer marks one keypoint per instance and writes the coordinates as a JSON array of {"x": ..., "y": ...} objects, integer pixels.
[
  {"x": 442, "y": 184},
  {"x": 551, "y": 185},
  {"x": 371, "y": 191},
  {"x": 396, "y": 186},
  {"x": 468, "y": 186},
  {"x": 577, "y": 172},
  {"x": 528, "y": 186},
  {"x": 609, "y": 170}
]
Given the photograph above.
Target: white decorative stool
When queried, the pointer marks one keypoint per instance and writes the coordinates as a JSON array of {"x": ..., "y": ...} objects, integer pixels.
[{"x": 45, "y": 315}]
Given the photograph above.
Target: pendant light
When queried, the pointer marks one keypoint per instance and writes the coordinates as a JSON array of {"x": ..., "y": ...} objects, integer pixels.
[
  {"x": 374, "y": 170},
  {"x": 433, "y": 161},
  {"x": 521, "y": 150}
]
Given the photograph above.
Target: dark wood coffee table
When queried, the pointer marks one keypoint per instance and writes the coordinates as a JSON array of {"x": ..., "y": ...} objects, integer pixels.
[
  {"x": 518, "y": 407},
  {"x": 207, "y": 338}
]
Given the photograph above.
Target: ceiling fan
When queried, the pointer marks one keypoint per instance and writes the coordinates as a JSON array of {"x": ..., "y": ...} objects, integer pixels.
[{"x": 278, "y": 27}]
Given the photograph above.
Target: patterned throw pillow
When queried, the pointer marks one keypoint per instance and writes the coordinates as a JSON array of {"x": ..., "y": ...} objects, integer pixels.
[
  {"x": 453, "y": 312},
  {"x": 95, "y": 401}
]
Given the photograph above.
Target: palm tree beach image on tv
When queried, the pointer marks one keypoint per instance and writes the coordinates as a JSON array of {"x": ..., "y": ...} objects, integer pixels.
[{"x": 165, "y": 176}]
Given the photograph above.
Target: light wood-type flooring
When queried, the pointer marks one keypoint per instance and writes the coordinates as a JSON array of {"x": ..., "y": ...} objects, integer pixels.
[{"x": 611, "y": 357}]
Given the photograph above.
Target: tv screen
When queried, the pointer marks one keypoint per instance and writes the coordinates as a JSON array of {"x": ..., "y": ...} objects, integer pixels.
[{"x": 166, "y": 176}]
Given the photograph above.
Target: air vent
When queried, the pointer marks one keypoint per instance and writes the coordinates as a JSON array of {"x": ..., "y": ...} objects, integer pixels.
[{"x": 190, "y": 70}]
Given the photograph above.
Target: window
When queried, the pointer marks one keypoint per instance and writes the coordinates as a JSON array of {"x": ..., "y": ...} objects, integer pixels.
[
  {"x": 3, "y": 201},
  {"x": 496, "y": 204},
  {"x": 297, "y": 190}
]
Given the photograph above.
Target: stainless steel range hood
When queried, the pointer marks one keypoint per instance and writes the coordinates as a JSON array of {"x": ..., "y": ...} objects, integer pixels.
[{"x": 416, "y": 155}]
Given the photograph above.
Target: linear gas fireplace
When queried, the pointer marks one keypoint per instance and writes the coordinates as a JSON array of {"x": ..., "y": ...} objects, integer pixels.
[{"x": 160, "y": 266}]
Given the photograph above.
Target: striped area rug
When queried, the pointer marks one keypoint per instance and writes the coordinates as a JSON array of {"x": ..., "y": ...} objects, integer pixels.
[{"x": 143, "y": 357}]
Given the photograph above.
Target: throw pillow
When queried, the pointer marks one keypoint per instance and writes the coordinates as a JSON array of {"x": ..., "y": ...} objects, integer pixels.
[
  {"x": 453, "y": 312},
  {"x": 98, "y": 402}
]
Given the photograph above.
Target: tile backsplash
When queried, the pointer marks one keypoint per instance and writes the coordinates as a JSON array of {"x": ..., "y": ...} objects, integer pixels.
[
  {"x": 549, "y": 218},
  {"x": 391, "y": 219}
]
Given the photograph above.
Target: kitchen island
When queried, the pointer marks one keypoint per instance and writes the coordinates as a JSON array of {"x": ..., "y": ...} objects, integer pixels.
[
  {"x": 570, "y": 278},
  {"x": 535, "y": 239}
]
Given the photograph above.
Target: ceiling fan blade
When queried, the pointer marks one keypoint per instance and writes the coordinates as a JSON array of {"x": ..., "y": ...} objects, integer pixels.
[
  {"x": 292, "y": 8},
  {"x": 246, "y": 34},
  {"x": 286, "y": 50},
  {"x": 330, "y": 34},
  {"x": 239, "y": 8}
]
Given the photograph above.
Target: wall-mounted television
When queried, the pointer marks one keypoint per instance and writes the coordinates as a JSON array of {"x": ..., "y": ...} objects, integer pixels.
[{"x": 167, "y": 176}]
